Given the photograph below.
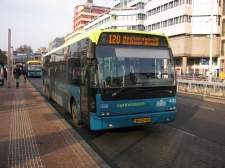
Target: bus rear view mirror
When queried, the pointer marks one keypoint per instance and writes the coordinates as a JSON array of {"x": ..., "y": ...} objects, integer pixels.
[{"x": 90, "y": 50}]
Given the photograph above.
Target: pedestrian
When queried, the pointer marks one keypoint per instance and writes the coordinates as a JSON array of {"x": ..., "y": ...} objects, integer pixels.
[
  {"x": 1, "y": 74},
  {"x": 221, "y": 75},
  {"x": 17, "y": 73},
  {"x": 5, "y": 73},
  {"x": 1, "y": 77},
  {"x": 24, "y": 72}
]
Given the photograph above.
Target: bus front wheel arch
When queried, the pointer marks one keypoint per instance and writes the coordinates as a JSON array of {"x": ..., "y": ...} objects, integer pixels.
[{"x": 75, "y": 114}]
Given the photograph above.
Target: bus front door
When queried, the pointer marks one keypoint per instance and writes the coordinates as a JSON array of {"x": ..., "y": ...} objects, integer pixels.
[{"x": 85, "y": 91}]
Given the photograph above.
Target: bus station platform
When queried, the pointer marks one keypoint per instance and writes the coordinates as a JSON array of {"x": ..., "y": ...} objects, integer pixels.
[{"x": 33, "y": 134}]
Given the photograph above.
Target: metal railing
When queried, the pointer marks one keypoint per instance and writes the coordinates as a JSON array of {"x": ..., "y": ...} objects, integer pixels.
[{"x": 214, "y": 89}]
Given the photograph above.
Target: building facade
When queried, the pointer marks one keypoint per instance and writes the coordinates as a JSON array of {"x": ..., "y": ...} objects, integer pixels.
[
  {"x": 58, "y": 41},
  {"x": 124, "y": 15},
  {"x": 222, "y": 46},
  {"x": 119, "y": 18},
  {"x": 83, "y": 14},
  {"x": 194, "y": 28}
]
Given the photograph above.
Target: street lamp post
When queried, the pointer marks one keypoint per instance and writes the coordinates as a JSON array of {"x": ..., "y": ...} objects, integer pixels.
[
  {"x": 9, "y": 58},
  {"x": 211, "y": 44}
]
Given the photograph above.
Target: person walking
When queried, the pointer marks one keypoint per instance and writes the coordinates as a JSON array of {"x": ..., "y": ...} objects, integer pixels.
[
  {"x": 5, "y": 73},
  {"x": 221, "y": 75},
  {"x": 1, "y": 74},
  {"x": 17, "y": 73},
  {"x": 24, "y": 72}
]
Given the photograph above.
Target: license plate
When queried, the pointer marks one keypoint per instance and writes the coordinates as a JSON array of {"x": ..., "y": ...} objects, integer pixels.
[{"x": 141, "y": 120}]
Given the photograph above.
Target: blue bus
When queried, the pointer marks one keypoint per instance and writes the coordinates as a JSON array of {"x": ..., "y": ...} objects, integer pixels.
[
  {"x": 111, "y": 79},
  {"x": 34, "y": 69}
]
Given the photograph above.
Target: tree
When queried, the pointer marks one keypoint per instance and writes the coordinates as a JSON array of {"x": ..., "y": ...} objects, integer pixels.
[{"x": 24, "y": 49}]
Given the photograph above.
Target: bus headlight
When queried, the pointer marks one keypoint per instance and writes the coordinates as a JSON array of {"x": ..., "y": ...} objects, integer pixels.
[
  {"x": 172, "y": 108},
  {"x": 105, "y": 113},
  {"x": 110, "y": 126}
]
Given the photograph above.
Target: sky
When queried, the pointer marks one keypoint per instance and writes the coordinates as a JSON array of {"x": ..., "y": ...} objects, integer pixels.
[{"x": 37, "y": 22}]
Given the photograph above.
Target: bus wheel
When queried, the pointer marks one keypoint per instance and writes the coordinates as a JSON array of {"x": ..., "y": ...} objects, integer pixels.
[{"x": 75, "y": 114}]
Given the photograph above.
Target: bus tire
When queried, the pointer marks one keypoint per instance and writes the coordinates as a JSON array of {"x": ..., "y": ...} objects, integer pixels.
[{"x": 75, "y": 114}]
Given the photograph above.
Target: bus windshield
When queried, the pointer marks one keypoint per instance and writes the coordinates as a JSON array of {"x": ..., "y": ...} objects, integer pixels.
[
  {"x": 125, "y": 66},
  {"x": 34, "y": 67}
]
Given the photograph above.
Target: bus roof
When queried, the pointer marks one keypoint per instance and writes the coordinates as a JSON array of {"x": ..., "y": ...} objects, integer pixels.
[{"x": 95, "y": 34}]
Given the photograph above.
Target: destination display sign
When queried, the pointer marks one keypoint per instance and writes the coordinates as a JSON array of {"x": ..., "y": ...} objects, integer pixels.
[
  {"x": 34, "y": 63},
  {"x": 132, "y": 39}
]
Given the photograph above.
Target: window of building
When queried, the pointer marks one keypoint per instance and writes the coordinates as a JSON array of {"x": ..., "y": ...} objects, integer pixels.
[
  {"x": 204, "y": 61},
  {"x": 171, "y": 5},
  {"x": 170, "y": 22},
  {"x": 165, "y": 23},
  {"x": 140, "y": 27},
  {"x": 165, "y": 6},
  {"x": 197, "y": 61},
  {"x": 153, "y": 27},
  {"x": 181, "y": 2},
  {"x": 162, "y": 8},
  {"x": 154, "y": 11},
  {"x": 158, "y": 25},
  {"x": 185, "y": 18},
  {"x": 218, "y": 19},
  {"x": 181, "y": 19},
  {"x": 141, "y": 16},
  {"x": 140, "y": 5},
  {"x": 177, "y": 61},
  {"x": 223, "y": 48},
  {"x": 190, "y": 19},
  {"x": 190, "y": 61},
  {"x": 223, "y": 27},
  {"x": 176, "y": 3},
  {"x": 158, "y": 10},
  {"x": 176, "y": 20}
]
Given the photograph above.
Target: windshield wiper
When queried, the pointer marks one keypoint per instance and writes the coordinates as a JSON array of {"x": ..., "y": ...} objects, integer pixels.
[{"x": 115, "y": 93}]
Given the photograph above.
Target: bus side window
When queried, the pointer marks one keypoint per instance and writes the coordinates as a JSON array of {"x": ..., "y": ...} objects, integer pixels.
[
  {"x": 93, "y": 77},
  {"x": 74, "y": 70}
]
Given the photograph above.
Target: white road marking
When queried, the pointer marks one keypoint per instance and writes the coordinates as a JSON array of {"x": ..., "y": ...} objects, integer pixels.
[
  {"x": 206, "y": 108},
  {"x": 199, "y": 106}
]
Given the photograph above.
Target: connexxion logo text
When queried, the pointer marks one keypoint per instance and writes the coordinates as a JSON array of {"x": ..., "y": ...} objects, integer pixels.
[{"x": 131, "y": 104}]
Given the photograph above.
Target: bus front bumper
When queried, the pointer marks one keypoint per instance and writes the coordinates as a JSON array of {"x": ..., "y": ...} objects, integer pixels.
[{"x": 112, "y": 122}]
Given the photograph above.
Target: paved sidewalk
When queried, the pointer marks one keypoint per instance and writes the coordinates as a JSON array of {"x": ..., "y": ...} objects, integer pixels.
[{"x": 33, "y": 135}]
